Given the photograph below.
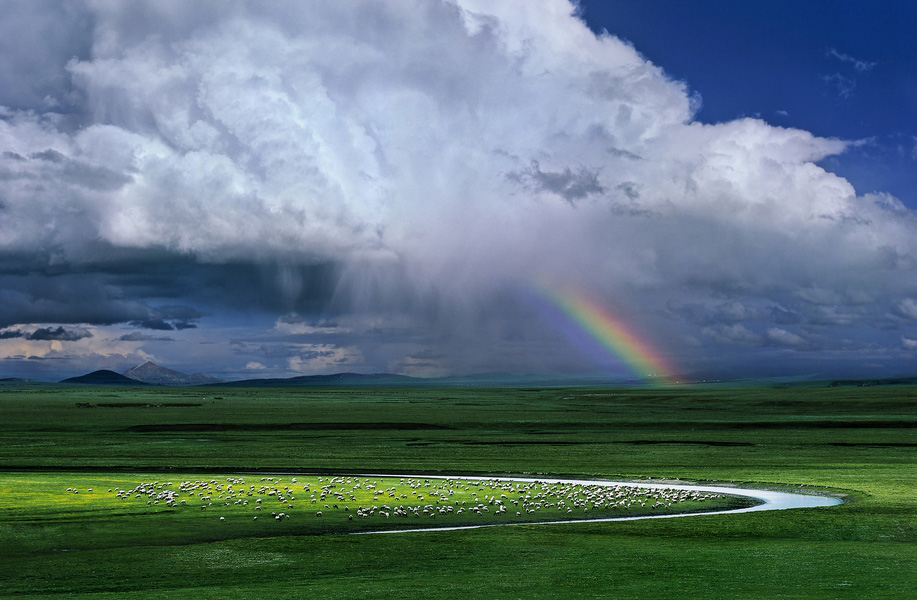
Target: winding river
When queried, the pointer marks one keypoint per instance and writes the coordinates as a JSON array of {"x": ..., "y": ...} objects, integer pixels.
[{"x": 767, "y": 500}]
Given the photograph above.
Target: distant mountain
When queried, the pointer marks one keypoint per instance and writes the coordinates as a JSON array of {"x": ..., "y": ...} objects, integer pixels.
[
  {"x": 16, "y": 380},
  {"x": 333, "y": 380},
  {"x": 483, "y": 380},
  {"x": 150, "y": 372},
  {"x": 103, "y": 377}
]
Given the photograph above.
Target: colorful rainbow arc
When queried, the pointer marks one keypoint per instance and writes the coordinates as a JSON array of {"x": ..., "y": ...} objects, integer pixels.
[{"x": 611, "y": 333}]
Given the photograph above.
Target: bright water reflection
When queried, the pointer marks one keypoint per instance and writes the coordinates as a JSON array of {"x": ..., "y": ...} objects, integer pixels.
[{"x": 767, "y": 500}]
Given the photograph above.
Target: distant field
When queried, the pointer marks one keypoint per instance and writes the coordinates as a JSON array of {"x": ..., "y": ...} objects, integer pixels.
[{"x": 858, "y": 443}]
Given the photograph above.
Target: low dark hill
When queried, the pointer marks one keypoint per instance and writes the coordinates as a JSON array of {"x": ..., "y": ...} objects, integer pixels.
[
  {"x": 104, "y": 377},
  {"x": 334, "y": 380}
]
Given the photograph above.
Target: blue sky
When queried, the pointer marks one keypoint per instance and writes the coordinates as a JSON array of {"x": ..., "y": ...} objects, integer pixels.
[
  {"x": 837, "y": 68},
  {"x": 254, "y": 189}
]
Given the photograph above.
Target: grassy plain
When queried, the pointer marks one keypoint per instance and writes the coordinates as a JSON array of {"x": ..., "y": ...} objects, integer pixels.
[{"x": 856, "y": 442}]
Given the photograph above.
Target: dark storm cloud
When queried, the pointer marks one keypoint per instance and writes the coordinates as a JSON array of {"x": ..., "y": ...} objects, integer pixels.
[
  {"x": 91, "y": 298},
  {"x": 138, "y": 336},
  {"x": 177, "y": 312},
  {"x": 63, "y": 299},
  {"x": 144, "y": 288},
  {"x": 156, "y": 324},
  {"x": 270, "y": 285},
  {"x": 10, "y": 334},
  {"x": 59, "y": 334}
]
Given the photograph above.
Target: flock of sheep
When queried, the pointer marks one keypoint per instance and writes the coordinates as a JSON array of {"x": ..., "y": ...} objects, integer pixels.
[{"x": 383, "y": 498}]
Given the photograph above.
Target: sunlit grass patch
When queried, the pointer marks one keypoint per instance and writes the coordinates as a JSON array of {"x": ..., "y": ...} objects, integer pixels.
[
  {"x": 59, "y": 495},
  {"x": 257, "y": 504}
]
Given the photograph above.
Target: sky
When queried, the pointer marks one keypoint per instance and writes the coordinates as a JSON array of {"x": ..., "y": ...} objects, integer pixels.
[{"x": 711, "y": 189}]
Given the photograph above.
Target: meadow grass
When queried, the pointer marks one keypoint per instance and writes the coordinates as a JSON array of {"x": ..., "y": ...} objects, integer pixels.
[{"x": 854, "y": 442}]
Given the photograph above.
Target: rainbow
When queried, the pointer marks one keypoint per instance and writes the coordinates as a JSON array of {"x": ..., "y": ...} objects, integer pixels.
[{"x": 585, "y": 320}]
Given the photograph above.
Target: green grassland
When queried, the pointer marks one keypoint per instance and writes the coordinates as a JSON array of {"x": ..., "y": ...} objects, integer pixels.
[{"x": 855, "y": 442}]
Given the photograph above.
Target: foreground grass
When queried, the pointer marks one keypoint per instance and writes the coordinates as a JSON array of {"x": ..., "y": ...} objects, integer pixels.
[
  {"x": 576, "y": 562},
  {"x": 857, "y": 442}
]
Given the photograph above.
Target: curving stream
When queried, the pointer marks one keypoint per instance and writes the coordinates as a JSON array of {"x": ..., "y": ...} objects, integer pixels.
[{"x": 768, "y": 500}]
